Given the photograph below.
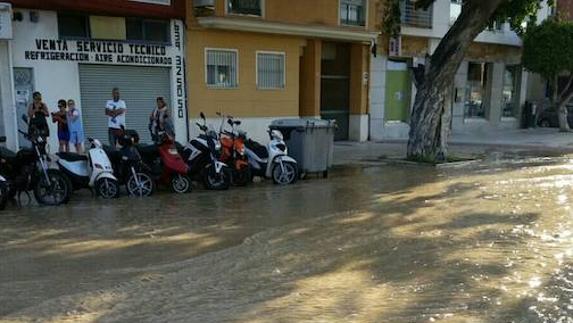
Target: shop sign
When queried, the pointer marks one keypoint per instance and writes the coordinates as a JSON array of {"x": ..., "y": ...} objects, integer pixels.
[{"x": 100, "y": 52}]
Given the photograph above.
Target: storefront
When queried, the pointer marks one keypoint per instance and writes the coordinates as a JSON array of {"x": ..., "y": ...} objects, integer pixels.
[{"x": 83, "y": 57}]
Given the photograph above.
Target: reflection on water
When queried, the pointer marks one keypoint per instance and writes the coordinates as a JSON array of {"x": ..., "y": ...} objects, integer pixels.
[{"x": 484, "y": 243}]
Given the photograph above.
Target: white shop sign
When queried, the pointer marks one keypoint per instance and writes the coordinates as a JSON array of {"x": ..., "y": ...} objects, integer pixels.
[{"x": 5, "y": 20}]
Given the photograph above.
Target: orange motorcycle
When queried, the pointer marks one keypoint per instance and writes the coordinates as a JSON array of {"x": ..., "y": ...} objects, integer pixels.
[{"x": 233, "y": 151}]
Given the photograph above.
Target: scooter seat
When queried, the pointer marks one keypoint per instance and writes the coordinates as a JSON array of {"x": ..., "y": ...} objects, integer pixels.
[
  {"x": 257, "y": 148},
  {"x": 71, "y": 157}
]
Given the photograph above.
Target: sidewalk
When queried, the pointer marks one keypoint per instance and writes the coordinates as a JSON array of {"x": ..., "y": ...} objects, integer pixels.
[{"x": 540, "y": 141}]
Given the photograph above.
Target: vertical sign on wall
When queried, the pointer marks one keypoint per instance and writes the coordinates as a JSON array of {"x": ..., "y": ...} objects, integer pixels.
[
  {"x": 395, "y": 47},
  {"x": 5, "y": 20}
]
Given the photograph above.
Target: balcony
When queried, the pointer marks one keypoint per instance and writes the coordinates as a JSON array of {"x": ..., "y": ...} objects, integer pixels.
[
  {"x": 412, "y": 17},
  {"x": 245, "y": 7}
]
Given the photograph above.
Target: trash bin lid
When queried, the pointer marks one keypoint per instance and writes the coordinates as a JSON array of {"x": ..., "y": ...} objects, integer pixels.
[{"x": 303, "y": 123}]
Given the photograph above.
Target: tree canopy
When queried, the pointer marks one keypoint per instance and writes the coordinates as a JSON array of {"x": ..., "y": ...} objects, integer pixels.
[{"x": 548, "y": 48}]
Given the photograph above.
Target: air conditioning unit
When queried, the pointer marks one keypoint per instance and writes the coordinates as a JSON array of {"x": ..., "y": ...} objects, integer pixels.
[{"x": 203, "y": 3}]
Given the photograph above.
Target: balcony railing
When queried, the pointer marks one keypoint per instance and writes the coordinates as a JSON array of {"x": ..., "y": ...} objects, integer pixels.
[
  {"x": 412, "y": 17},
  {"x": 245, "y": 7}
]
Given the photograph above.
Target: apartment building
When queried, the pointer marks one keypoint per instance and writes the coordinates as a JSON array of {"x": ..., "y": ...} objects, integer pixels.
[
  {"x": 260, "y": 60},
  {"x": 82, "y": 49},
  {"x": 489, "y": 89}
]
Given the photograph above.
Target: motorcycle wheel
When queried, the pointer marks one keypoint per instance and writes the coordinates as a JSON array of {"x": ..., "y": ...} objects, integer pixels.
[
  {"x": 4, "y": 191},
  {"x": 140, "y": 185},
  {"x": 181, "y": 184},
  {"x": 286, "y": 177},
  {"x": 57, "y": 192},
  {"x": 242, "y": 177},
  {"x": 217, "y": 182},
  {"x": 107, "y": 188}
]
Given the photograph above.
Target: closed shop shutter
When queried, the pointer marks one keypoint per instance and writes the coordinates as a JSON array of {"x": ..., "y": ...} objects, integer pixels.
[{"x": 139, "y": 87}]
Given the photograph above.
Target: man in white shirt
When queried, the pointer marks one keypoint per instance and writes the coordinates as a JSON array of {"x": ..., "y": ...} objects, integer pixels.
[{"x": 115, "y": 111}]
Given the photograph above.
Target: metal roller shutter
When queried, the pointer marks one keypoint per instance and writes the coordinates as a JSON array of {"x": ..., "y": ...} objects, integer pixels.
[{"x": 139, "y": 87}]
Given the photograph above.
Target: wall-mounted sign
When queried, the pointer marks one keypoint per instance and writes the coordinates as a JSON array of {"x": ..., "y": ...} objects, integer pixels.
[
  {"x": 94, "y": 51},
  {"x": 5, "y": 20},
  {"x": 395, "y": 47}
]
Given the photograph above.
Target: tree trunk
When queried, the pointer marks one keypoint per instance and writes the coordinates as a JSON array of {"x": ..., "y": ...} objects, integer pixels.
[
  {"x": 431, "y": 114},
  {"x": 563, "y": 122},
  {"x": 561, "y": 100}
]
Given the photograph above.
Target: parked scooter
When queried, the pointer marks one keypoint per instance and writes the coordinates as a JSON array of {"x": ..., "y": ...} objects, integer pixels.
[
  {"x": 202, "y": 156},
  {"x": 4, "y": 183},
  {"x": 91, "y": 171},
  {"x": 233, "y": 151},
  {"x": 272, "y": 161},
  {"x": 166, "y": 164},
  {"x": 129, "y": 168},
  {"x": 28, "y": 170}
]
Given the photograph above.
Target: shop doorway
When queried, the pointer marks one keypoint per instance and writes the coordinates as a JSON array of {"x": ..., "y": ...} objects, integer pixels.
[
  {"x": 139, "y": 87},
  {"x": 335, "y": 86},
  {"x": 23, "y": 90},
  {"x": 398, "y": 92}
]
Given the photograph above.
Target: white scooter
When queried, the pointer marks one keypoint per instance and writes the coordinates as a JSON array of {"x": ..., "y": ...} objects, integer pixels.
[
  {"x": 272, "y": 161},
  {"x": 91, "y": 171}
]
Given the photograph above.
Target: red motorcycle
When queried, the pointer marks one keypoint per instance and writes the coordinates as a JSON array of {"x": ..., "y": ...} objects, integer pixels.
[{"x": 166, "y": 165}]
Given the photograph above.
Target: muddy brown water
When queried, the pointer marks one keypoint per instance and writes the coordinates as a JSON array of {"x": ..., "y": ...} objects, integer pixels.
[{"x": 487, "y": 242}]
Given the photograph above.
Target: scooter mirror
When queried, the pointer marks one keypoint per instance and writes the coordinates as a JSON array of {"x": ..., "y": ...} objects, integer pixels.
[
  {"x": 230, "y": 122},
  {"x": 203, "y": 116},
  {"x": 237, "y": 123}
]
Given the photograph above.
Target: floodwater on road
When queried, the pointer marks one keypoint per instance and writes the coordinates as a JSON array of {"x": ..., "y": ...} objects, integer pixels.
[{"x": 485, "y": 242}]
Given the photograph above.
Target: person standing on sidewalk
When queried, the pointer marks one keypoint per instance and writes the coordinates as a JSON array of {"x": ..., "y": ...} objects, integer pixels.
[
  {"x": 115, "y": 110},
  {"x": 37, "y": 116},
  {"x": 60, "y": 118},
  {"x": 76, "y": 127}
]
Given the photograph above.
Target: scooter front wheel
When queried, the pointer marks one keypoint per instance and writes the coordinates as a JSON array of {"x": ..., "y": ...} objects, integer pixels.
[
  {"x": 285, "y": 173},
  {"x": 217, "y": 181},
  {"x": 107, "y": 188},
  {"x": 140, "y": 185},
  {"x": 181, "y": 184}
]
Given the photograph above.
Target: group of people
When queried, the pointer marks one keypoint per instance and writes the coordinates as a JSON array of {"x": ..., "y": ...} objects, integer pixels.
[
  {"x": 67, "y": 118},
  {"x": 70, "y": 127}
]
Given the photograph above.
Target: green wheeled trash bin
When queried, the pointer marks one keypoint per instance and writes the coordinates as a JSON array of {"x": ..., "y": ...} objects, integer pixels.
[{"x": 310, "y": 142}]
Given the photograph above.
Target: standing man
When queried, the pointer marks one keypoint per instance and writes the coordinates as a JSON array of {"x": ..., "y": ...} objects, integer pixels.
[{"x": 115, "y": 110}]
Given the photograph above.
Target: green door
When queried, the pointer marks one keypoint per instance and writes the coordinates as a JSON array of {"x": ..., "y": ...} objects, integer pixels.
[{"x": 398, "y": 92}]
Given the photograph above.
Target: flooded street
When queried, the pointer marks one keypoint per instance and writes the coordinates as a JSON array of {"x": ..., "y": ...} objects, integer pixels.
[{"x": 481, "y": 242}]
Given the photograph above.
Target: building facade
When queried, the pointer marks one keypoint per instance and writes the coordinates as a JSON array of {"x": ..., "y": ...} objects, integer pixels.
[
  {"x": 490, "y": 87},
  {"x": 261, "y": 60},
  {"x": 81, "y": 50}
]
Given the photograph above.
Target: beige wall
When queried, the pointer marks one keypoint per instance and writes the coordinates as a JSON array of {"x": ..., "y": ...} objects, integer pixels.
[
  {"x": 312, "y": 12},
  {"x": 245, "y": 100}
]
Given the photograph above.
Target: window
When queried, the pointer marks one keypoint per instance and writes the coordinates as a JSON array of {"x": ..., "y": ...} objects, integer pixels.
[
  {"x": 270, "y": 71},
  {"x": 73, "y": 26},
  {"x": 510, "y": 89},
  {"x": 245, "y": 7},
  {"x": 147, "y": 30},
  {"x": 413, "y": 16},
  {"x": 353, "y": 12},
  {"x": 221, "y": 68},
  {"x": 477, "y": 85}
]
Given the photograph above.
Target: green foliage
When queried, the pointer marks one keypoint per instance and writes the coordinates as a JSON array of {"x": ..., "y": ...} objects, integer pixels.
[{"x": 548, "y": 48}]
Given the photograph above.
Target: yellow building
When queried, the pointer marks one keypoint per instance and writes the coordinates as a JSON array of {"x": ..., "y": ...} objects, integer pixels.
[{"x": 260, "y": 60}]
